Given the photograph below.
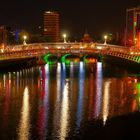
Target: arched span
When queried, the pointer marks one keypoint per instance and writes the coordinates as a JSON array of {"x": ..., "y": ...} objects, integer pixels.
[
  {"x": 67, "y": 58},
  {"x": 84, "y": 58},
  {"x": 46, "y": 57},
  {"x": 63, "y": 58},
  {"x": 89, "y": 58},
  {"x": 50, "y": 58}
]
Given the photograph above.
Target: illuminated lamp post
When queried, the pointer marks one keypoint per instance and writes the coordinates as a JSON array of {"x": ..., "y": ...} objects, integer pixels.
[
  {"x": 135, "y": 41},
  {"x": 64, "y": 37},
  {"x": 24, "y": 40},
  {"x": 105, "y": 37}
]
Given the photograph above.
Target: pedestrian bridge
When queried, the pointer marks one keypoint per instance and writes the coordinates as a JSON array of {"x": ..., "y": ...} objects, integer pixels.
[{"x": 81, "y": 50}]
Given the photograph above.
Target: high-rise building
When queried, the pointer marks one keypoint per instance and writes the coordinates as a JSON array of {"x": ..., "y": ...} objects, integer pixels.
[
  {"x": 52, "y": 26},
  {"x": 132, "y": 25}
]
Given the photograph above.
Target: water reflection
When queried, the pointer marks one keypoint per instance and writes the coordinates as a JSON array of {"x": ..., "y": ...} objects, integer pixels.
[
  {"x": 59, "y": 99},
  {"x": 24, "y": 125},
  {"x": 56, "y": 121},
  {"x": 17, "y": 81},
  {"x": 63, "y": 76},
  {"x": 58, "y": 74},
  {"x": 80, "y": 94},
  {"x": 64, "y": 117},
  {"x": 7, "y": 86},
  {"x": 4, "y": 80},
  {"x": 91, "y": 97},
  {"x": 42, "y": 120},
  {"x": 99, "y": 82},
  {"x": 138, "y": 94},
  {"x": 106, "y": 101}
]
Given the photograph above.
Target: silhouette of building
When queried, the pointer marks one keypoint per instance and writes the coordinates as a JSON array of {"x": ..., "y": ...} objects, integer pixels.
[
  {"x": 51, "y": 26},
  {"x": 132, "y": 25}
]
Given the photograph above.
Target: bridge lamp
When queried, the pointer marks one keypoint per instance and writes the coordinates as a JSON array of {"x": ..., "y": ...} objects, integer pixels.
[
  {"x": 105, "y": 38},
  {"x": 64, "y": 37},
  {"x": 135, "y": 41},
  {"x": 24, "y": 40}
]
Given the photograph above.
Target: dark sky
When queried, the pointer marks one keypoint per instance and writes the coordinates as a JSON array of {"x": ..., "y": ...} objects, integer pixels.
[{"x": 95, "y": 16}]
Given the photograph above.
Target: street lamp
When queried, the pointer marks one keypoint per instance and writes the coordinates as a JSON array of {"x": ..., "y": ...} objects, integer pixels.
[
  {"x": 105, "y": 37},
  {"x": 135, "y": 41},
  {"x": 64, "y": 36},
  {"x": 24, "y": 40}
]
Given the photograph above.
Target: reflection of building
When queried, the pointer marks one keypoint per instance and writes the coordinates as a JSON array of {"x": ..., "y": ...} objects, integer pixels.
[
  {"x": 132, "y": 24},
  {"x": 51, "y": 26},
  {"x": 3, "y": 37}
]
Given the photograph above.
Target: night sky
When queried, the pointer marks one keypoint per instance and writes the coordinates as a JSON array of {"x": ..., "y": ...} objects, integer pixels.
[{"x": 97, "y": 17}]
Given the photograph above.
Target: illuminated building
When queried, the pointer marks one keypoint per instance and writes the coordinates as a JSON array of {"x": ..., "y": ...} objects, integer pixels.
[
  {"x": 51, "y": 26},
  {"x": 3, "y": 37},
  {"x": 132, "y": 25},
  {"x": 86, "y": 38}
]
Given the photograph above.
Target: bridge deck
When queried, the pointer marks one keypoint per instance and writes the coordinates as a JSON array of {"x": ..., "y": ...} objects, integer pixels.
[{"x": 59, "y": 49}]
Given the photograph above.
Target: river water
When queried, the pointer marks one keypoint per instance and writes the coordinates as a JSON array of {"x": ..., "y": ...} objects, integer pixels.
[{"x": 58, "y": 102}]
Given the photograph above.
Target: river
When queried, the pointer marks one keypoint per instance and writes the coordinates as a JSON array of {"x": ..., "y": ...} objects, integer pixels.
[{"x": 75, "y": 101}]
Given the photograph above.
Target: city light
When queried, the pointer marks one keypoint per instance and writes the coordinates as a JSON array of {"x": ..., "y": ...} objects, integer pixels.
[
  {"x": 135, "y": 41},
  {"x": 64, "y": 37},
  {"x": 24, "y": 40},
  {"x": 105, "y": 38}
]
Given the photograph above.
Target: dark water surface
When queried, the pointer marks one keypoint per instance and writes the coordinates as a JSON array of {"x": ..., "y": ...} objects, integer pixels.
[{"x": 76, "y": 101}]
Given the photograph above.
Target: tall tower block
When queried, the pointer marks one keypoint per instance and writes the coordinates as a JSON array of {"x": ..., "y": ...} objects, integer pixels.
[{"x": 52, "y": 26}]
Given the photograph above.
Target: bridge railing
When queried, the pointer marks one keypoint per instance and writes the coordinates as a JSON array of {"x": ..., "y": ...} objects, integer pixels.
[{"x": 38, "y": 49}]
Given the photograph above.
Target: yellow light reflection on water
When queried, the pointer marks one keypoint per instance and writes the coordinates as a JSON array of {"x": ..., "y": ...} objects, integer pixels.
[
  {"x": 56, "y": 119},
  {"x": 99, "y": 83},
  {"x": 106, "y": 101},
  {"x": 58, "y": 82},
  {"x": 24, "y": 125},
  {"x": 64, "y": 113}
]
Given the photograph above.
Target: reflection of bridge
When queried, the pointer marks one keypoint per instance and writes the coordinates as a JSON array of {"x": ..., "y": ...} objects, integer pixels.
[{"x": 78, "y": 49}]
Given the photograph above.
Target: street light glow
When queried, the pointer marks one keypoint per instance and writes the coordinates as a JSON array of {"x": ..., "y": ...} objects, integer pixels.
[
  {"x": 24, "y": 37},
  {"x": 105, "y": 37},
  {"x": 24, "y": 40},
  {"x": 64, "y": 36}
]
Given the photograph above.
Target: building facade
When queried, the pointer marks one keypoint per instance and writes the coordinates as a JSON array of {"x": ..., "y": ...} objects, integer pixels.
[
  {"x": 52, "y": 26},
  {"x": 3, "y": 37},
  {"x": 132, "y": 25}
]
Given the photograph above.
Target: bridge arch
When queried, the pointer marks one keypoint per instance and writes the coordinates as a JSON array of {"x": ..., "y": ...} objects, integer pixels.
[
  {"x": 67, "y": 58},
  {"x": 50, "y": 58},
  {"x": 63, "y": 58},
  {"x": 90, "y": 58}
]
